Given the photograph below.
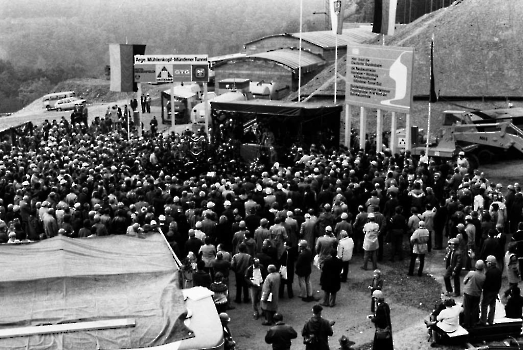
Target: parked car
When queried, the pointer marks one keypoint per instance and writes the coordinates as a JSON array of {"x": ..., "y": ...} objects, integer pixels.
[{"x": 68, "y": 103}]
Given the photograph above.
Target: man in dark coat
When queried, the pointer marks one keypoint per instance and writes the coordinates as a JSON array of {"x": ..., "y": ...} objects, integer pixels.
[
  {"x": 331, "y": 278},
  {"x": 317, "y": 330},
  {"x": 491, "y": 288},
  {"x": 280, "y": 335},
  {"x": 381, "y": 320},
  {"x": 303, "y": 270},
  {"x": 453, "y": 264},
  {"x": 287, "y": 259}
]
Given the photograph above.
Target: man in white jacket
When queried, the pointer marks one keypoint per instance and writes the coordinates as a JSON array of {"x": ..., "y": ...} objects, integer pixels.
[{"x": 345, "y": 248}]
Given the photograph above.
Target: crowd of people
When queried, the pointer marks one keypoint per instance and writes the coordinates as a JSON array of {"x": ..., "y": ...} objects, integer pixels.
[{"x": 268, "y": 226}]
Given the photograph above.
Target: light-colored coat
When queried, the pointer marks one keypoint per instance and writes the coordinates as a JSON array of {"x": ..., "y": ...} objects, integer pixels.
[{"x": 271, "y": 285}]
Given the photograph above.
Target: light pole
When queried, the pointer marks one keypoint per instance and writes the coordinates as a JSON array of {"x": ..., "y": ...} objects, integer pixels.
[{"x": 337, "y": 10}]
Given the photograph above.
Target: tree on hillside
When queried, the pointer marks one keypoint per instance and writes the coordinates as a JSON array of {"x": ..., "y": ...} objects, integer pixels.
[{"x": 31, "y": 90}]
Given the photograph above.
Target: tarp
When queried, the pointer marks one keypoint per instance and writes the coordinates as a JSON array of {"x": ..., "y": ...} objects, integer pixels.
[{"x": 64, "y": 280}]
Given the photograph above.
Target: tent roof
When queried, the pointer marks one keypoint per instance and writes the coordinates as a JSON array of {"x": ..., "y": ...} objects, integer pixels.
[
  {"x": 64, "y": 280},
  {"x": 65, "y": 257}
]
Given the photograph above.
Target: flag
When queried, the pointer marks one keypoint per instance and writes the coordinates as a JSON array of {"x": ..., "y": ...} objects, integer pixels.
[
  {"x": 336, "y": 14},
  {"x": 432, "y": 97},
  {"x": 121, "y": 58},
  {"x": 384, "y": 16}
]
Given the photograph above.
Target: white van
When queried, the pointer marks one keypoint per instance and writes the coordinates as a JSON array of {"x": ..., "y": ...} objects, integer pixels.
[{"x": 49, "y": 101}]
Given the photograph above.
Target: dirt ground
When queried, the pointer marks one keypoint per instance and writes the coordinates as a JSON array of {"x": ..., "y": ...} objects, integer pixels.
[{"x": 410, "y": 300}]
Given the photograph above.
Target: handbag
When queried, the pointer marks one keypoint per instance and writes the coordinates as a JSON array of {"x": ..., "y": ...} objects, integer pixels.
[
  {"x": 283, "y": 269},
  {"x": 383, "y": 333},
  {"x": 283, "y": 272},
  {"x": 317, "y": 261},
  {"x": 309, "y": 340}
]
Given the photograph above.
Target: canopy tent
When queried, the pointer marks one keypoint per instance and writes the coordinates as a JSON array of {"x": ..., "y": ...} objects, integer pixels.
[
  {"x": 288, "y": 123},
  {"x": 63, "y": 281}
]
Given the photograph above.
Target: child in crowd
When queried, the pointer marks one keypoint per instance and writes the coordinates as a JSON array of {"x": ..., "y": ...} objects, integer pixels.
[
  {"x": 221, "y": 293},
  {"x": 376, "y": 284}
]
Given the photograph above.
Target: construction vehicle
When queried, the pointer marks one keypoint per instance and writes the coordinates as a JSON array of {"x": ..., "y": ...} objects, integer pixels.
[{"x": 482, "y": 142}]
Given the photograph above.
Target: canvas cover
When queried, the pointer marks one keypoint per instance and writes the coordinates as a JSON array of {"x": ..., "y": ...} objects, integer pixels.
[{"x": 63, "y": 280}]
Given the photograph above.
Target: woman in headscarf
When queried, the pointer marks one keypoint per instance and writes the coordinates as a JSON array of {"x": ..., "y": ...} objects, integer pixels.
[{"x": 381, "y": 319}]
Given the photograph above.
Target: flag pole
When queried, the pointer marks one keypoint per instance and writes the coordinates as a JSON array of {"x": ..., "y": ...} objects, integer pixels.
[
  {"x": 432, "y": 93},
  {"x": 299, "y": 53},
  {"x": 335, "y": 67}
]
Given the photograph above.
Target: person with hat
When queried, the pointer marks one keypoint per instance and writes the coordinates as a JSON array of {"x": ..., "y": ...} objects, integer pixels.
[
  {"x": 514, "y": 305},
  {"x": 343, "y": 225},
  {"x": 228, "y": 341},
  {"x": 324, "y": 245},
  {"x": 270, "y": 295},
  {"x": 286, "y": 263},
  {"x": 304, "y": 270},
  {"x": 381, "y": 319},
  {"x": 280, "y": 335},
  {"x": 345, "y": 250},
  {"x": 397, "y": 228},
  {"x": 472, "y": 288},
  {"x": 453, "y": 265},
  {"x": 240, "y": 263},
  {"x": 419, "y": 241},
  {"x": 221, "y": 292},
  {"x": 317, "y": 330},
  {"x": 330, "y": 278},
  {"x": 148, "y": 101},
  {"x": 278, "y": 235},
  {"x": 370, "y": 242},
  {"x": 345, "y": 343},
  {"x": 261, "y": 234},
  {"x": 254, "y": 276},
  {"x": 307, "y": 230},
  {"x": 463, "y": 163},
  {"x": 512, "y": 266},
  {"x": 491, "y": 288}
]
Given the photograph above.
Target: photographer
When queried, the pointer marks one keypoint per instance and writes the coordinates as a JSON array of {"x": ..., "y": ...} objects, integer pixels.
[{"x": 317, "y": 330}]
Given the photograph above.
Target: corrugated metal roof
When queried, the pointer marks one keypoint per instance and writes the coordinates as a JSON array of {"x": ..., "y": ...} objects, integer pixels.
[
  {"x": 290, "y": 58},
  {"x": 327, "y": 39}
]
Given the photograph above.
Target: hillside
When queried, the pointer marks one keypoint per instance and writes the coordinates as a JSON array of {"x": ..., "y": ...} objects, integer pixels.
[{"x": 477, "y": 51}]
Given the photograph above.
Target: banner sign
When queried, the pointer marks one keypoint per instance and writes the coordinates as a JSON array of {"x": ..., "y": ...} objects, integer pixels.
[
  {"x": 171, "y": 68},
  {"x": 380, "y": 77}
]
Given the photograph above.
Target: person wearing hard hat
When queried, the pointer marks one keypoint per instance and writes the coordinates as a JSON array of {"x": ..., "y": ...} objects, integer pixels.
[{"x": 462, "y": 163}]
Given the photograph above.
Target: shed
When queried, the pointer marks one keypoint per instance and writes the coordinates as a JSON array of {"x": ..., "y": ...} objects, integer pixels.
[
  {"x": 322, "y": 43},
  {"x": 279, "y": 67}
]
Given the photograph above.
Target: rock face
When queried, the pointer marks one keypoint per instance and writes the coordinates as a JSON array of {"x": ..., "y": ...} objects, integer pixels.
[{"x": 478, "y": 51}]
